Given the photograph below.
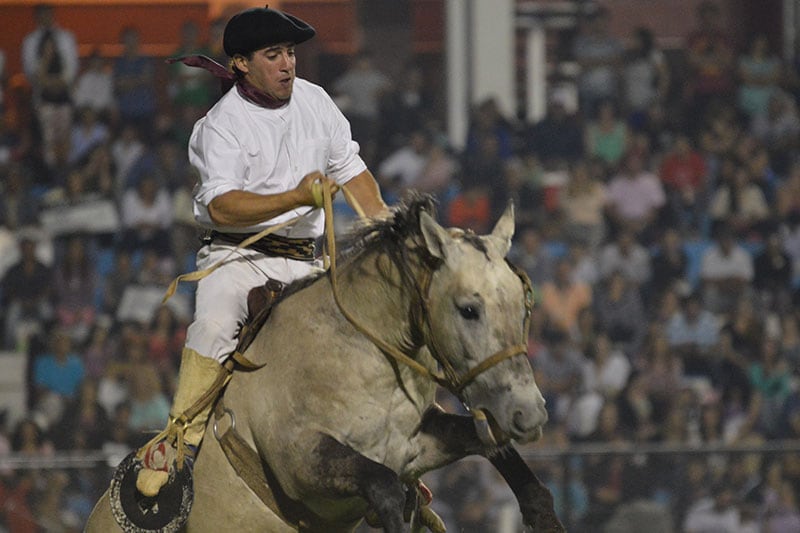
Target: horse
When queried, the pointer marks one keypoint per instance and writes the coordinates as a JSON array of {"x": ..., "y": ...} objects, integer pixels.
[{"x": 342, "y": 417}]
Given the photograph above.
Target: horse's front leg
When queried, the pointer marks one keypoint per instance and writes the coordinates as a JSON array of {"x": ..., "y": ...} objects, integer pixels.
[
  {"x": 343, "y": 471},
  {"x": 534, "y": 498},
  {"x": 445, "y": 438}
]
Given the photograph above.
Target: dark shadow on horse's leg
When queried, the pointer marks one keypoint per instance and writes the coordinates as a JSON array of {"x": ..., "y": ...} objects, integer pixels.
[
  {"x": 348, "y": 473},
  {"x": 535, "y": 500}
]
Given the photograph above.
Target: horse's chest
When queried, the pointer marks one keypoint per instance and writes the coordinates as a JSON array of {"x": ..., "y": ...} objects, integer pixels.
[{"x": 386, "y": 434}]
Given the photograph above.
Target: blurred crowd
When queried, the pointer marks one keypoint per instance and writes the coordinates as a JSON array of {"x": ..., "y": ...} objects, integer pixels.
[{"x": 658, "y": 216}]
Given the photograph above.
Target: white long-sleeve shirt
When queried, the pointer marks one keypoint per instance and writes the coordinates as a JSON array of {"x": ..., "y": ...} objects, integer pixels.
[{"x": 239, "y": 145}]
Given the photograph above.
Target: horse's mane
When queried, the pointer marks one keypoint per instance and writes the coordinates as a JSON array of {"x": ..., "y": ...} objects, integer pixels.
[{"x": 385, "y": 235}]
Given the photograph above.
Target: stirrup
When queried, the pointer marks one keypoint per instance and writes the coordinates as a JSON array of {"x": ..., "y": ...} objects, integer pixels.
[
  {"x": 166, "y": 512},
  {"x": 168, "y": 509}
]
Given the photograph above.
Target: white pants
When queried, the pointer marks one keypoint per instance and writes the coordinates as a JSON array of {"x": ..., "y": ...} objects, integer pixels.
[{"x": 221, "y": 297}]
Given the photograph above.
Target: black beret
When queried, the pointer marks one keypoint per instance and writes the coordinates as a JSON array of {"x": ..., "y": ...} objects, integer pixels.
[{"x": 256, "y": 28}]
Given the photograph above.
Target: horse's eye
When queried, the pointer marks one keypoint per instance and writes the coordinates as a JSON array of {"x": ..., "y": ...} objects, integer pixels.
[{"x": 469, "y": 312}]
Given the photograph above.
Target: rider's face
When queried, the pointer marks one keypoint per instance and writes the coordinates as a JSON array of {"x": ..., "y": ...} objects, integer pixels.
[{"x": 270, "y": 69}]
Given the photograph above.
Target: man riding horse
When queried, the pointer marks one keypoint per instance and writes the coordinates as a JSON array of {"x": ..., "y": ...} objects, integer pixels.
[{"x": 262, "y": 154}]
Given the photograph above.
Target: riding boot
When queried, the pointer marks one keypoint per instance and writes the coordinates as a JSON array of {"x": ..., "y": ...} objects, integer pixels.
[{"x": 199, "y": 381}]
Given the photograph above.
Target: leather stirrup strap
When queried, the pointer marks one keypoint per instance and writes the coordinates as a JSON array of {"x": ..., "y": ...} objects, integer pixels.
[{"x": 245, "y": 462}]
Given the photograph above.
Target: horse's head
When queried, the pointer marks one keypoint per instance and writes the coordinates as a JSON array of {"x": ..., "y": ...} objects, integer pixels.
[{"x": 477, "y": 308}]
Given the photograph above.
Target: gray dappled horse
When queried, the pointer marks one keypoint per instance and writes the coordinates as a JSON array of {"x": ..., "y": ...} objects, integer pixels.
[{"x": 341, "y": 427}]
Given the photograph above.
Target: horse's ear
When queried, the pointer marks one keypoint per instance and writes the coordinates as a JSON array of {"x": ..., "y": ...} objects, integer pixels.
[
  {"x": 503, "y": 231},
  {"x": 436, "y": 237}
]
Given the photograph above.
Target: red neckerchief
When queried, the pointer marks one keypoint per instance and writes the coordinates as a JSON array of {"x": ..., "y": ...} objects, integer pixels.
[{"x": 228, "y": 79}]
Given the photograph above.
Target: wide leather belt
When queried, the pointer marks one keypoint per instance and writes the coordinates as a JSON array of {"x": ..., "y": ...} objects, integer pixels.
[{"x": 271, "y": 245}]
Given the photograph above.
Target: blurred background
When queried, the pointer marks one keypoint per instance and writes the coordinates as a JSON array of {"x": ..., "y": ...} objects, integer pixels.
[{"x": 650, "y": 146}]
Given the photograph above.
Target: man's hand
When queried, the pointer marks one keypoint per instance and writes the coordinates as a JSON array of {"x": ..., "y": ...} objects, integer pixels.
[{"x": 310, "y": 188}]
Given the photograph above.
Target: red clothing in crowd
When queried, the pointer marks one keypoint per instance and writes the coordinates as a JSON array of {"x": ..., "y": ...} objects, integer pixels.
[{"x": 679, "y": 172}]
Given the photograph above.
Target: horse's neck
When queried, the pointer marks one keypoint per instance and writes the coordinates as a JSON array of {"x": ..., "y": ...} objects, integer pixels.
[{"x": 375, "y": 294}]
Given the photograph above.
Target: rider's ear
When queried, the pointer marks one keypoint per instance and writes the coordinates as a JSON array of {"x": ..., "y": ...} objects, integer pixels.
[
  {"x": 503, "y": 231},
  {"x": 436, "y": 237}
]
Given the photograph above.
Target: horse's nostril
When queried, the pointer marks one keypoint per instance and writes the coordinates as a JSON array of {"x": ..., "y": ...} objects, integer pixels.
[
  {"x": 523, "y": 420},
  {"x": 528, "y": 420}
]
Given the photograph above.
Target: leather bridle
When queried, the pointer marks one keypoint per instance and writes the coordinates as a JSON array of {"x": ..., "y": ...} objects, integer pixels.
[{"x": 448, "y": 377}]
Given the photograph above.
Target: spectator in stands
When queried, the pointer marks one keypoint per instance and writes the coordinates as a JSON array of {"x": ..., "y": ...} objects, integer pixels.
[
  {"x": 183, "y": 232},
  {"x": 787, "y": 196},
  {"x": 528, "y": 252},
  {"x": 98, "y": 172},
  {"x": 405, "y": 107},
  {"x": 155, "y": 269},
  {"x": 50, "y": 61},
  {"x": 11, "y": 140},
  {"x": 27, "y": 295},
  {"x": 126, "y": 149},
  {"x": 359, "y": 91},
  {"x": 717, "y": 140},
  {"x": 87, "y": 133},
  {"x": 772, "y": 274},
  {"x": 668, "y": 266},
  {"x": 190, "y": 89},
  {"x": 624, "y": 255},
  {"x": 29, "y": 439},
  {"x": 563, "y": 298},
  {"x": 637, "y": 411},
  {"x": 134, "y": 83},
  {"x": 524, "y": 186},
  {"x": 606, "y": 136},
  {"x": 760, "y": 73},
  {"x": 711, "y": 61},
  {"x": 438, "y": 175},
  {"x": 645, "y": 73},
  {"x": 583, "y": 204},
  {"x": 19, "y": 206},
  {"x": 606, "y": 476},
  {"x": 165, "y": 160},
  {"x": 692, "y": 332},
  {"x": 57, "y": 377},
  {"x": 487, "y": 122},
  {"x": 790, "y": 340},
  {"x": 84, "y": 423},
  {"x": 484, "y": 170},
  {"x": 165, "y": 338},
  {"x": 146, "y": 211},
  {"x": 771, "y": 379},
  {"x": 471, "y": 209},
  {"x": 100, "y": 348},
  {"x": 75, "y": 282},
  {"x": 124, "y": 274},
  {"x": 782, "y": 514},
  {"x": 405, "y": 166},
  {"x": 558, "y": 368},
  {"x": 558, "y": 137},
  {"x": 685, "y": 177},
  {"x": 149, "y": 405},
  {"x": 94, "y": 87},
  {"x": 661, "y": 371},
  {"x": 605, "y": 375},
  {"x": 715, "y": 512},
  {"x": 726, "y": 272},
  {"x": 635, "y": 199},
  {"x": 620, "y": 312},
  {"x": 779, "y": 128},
  {"x": 599, "y": 55}
]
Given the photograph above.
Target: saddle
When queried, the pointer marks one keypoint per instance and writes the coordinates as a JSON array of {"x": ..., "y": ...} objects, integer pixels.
[{"x": 259, "y": 306}]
